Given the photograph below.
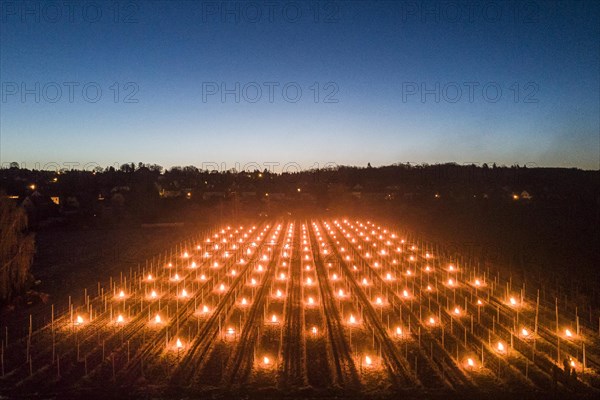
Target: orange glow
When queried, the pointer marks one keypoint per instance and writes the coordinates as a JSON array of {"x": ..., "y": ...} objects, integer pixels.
[{"x": 568, "y": 333}]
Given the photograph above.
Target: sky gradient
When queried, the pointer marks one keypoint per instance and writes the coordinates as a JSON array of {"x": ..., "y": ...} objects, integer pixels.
[{"x": 379, "y": 83}]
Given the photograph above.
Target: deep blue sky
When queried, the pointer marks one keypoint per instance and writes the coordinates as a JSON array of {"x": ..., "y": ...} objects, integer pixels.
[{"x": 374, "y": 53}]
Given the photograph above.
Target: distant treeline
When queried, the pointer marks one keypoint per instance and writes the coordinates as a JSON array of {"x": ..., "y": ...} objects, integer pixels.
[{"x": 399, "y": 178}]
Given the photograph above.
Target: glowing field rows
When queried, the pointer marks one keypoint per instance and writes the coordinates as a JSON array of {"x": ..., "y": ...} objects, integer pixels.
[{"x": 306, "y": 304}]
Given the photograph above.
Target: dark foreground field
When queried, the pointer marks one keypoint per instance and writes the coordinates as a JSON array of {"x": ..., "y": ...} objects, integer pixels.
[{"x": 289, "y": 308}]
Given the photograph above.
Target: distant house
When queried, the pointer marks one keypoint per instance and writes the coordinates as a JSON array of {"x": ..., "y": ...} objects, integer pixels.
[
  {"x": 525, "y": 195},
  {"x": 213, "y": 195},
  {"x": 169, "y": 194}
]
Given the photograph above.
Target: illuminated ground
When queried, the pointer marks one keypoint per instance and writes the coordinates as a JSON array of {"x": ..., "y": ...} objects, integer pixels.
[{"x": 308, "y": 309}]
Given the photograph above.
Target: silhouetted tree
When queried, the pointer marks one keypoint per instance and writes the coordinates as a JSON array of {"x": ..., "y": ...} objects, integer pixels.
[{"x": 16, "y": 249}]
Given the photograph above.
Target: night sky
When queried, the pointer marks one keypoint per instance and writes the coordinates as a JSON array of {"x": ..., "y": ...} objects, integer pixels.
[{"x": 189, "y": 83}]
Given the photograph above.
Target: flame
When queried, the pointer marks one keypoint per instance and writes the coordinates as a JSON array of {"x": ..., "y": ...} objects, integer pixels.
[
  {"x": 279, "y": 294},
  {"x": 568, "y": 333},
  {"x": 470, "y": 362},
  {"x": 314, "y": 330},
  {"x": 153, "y": 294},
  {"x": 368, "y": 360},
  {"x": 310, "y": 300},
  {"x": 150, "y": 277},
  {"x": 122, "y": 294},
  {"x": 500, "y": 347},
  {"x": 379, "y": 301},
  {"x": 399, "y": 331},
  {"x": 79, "y": 320},
  {"x": 266, "y": 360},
  {"x": 274, "y": 318},
  {"x": 184, "y": 293},
  {"x": 178, "y": 344},
  {"x": 352, "y": 320},
  {"x": 120, "y": 319},
  {"x": 157, "y": 319}
]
